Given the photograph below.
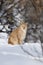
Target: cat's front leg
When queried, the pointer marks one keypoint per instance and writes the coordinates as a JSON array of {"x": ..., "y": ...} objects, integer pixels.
[{"x": 20, "y": 41}]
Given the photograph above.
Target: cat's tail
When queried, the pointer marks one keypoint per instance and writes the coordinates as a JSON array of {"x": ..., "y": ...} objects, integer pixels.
[{"x": 9, "y": 41}]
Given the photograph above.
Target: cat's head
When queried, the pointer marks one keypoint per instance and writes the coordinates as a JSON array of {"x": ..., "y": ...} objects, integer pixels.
[{"x": 23, "y": 26}]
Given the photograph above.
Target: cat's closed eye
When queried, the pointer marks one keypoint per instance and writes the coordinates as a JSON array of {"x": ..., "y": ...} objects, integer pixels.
[{"x": 23, "y": 27}]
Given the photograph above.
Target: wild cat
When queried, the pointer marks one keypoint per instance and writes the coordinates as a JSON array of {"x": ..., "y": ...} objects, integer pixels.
[{"x": 18, "y": 35}]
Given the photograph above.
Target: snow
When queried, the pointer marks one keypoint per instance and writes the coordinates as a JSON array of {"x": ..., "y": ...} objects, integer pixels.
[
  {"x": 1, "y": 27},
  {"x": 27, "y": 54}
]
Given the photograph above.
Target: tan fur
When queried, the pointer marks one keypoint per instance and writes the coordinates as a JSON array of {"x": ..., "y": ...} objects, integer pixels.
[{"x": 18, "y": 35}]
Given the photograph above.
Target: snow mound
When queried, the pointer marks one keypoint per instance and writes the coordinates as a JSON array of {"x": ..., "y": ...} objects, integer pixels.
[{"x": 26, "y": 54}]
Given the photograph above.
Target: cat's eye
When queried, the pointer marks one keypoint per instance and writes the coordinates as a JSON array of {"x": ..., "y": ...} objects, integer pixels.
[{"x": 23, "y": 27}]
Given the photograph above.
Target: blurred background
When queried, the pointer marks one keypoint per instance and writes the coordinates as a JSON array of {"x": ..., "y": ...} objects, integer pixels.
[{"x": 12, "y": 12}]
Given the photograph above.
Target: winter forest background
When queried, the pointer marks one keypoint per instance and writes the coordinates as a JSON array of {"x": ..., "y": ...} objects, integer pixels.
[{"x": 12, "y": 12}]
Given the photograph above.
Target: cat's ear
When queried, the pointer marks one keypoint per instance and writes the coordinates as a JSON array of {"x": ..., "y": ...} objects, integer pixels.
[
  {"x": 26, "y": 23},
  {"x": 21, "y": 22}
]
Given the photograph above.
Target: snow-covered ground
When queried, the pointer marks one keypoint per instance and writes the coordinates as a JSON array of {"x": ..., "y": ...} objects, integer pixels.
[{"x": 27, "y": 54}]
